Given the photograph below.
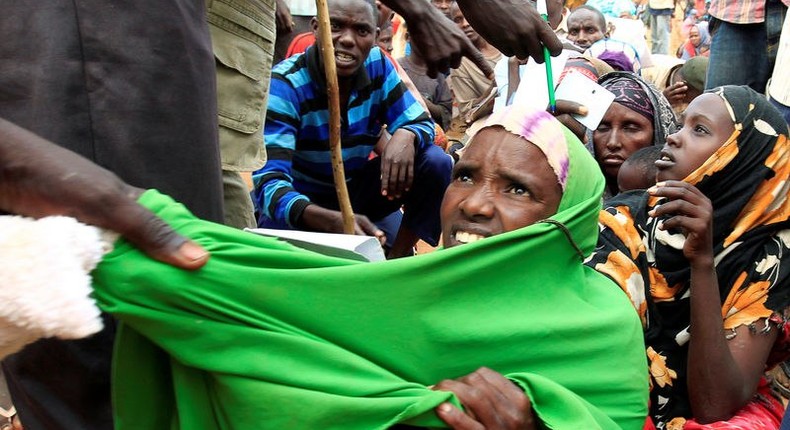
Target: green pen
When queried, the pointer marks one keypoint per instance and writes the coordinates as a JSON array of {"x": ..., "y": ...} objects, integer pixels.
[{"x": 543, "y": 10}]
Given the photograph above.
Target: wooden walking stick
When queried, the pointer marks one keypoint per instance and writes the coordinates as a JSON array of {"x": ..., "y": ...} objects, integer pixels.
[{"x": 328, "y": 56}]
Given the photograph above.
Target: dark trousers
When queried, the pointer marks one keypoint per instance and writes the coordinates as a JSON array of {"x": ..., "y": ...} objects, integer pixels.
[{"x": 432, "y": 168}]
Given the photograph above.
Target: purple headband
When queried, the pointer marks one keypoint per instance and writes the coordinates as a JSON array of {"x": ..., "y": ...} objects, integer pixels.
[
  {"x": 540, "y": 128},
  {"x": 630, "y": 94}
]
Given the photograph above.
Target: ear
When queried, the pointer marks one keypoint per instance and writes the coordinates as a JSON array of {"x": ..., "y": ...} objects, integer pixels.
[
  {"x": 314, "y": 26},
  {"x": 378, "y": 33}
]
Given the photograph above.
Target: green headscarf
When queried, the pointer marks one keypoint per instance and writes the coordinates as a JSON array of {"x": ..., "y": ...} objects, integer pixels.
[{"x": 270, "y": 336}]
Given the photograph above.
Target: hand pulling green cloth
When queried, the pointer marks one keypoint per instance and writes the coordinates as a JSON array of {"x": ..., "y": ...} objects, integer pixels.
[{"x": 267, "y": 335}]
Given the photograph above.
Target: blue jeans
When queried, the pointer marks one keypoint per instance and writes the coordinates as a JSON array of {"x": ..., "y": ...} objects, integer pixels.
[
  {"x": 744, "y": 54},
  {"x": 421, "y": 204},
  {"x": 659, "y": 33},
  {"x": 785, "y": 111}
]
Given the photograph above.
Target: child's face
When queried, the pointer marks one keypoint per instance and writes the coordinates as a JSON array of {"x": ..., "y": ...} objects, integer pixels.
[
  {"x": 385, "y": 39},
  {"x": 458, "y": 18},
  {"x": 706, "y": 126},
  {"x": 632, "y": 177},
  {"x": 694, "y": 36}
]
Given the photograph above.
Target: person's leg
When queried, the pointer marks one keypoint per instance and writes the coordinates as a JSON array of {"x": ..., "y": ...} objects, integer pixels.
[
  {"x": 659, "y": 30},
  {"x": 432, "y": 169},
  {"x": 784, "y": 110},
  {"x": 238, "y": 203},
  {"x": 734, "y": 46}
]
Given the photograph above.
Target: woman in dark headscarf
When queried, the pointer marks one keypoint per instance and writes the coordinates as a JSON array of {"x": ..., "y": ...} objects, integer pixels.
[
  {"x": 640, "y": 116},
  {"x": 704, "y": 257}
]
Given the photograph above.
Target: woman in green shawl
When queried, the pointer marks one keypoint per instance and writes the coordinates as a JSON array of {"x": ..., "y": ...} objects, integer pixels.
[{"x": 267, "y": 335}]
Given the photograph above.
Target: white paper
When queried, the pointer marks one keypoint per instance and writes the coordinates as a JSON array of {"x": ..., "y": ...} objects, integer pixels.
[
  {"x": 354, "y": 247},
  {"x": 533, "y": 91},
  {"x": 583, "y": 90}
]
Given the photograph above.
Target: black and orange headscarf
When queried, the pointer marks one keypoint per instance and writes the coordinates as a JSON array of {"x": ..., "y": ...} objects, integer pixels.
[{"x": 748, "y": 183}]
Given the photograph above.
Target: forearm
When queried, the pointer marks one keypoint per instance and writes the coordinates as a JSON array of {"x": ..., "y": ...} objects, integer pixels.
[
  {"x": 410, "y": 10},
  {"x": 716, "y": 384},
  {"x": 437, "y": 112}
]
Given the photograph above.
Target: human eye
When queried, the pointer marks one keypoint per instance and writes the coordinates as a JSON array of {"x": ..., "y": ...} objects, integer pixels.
[
  {"x": 462, "y": 175},
  {"x": 700, "y": 129},
  {"x": 362, "y": 31},
  {"x": 632, "y": 127},
  {"x": 603, "y": 127},
  {"x": 334, "y": 25},
  {"x": 518, "y": 189}
]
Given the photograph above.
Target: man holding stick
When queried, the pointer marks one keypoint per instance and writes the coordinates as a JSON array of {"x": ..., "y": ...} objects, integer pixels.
[{"x": 295, "y": 188}]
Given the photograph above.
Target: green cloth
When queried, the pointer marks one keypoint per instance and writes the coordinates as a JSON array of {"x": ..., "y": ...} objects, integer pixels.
[{"x": 270, "y": 336}]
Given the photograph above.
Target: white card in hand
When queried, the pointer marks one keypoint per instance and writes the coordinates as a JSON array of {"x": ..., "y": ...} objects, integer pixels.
[{"x": 580, "y": 89}]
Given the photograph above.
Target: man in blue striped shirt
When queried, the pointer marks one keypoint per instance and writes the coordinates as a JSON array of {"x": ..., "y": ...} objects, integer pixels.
[{"x": 295, "y": 189}]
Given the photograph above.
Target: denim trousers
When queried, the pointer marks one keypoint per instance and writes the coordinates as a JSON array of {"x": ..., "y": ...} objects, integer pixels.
[
  {"x": 659, "y": 33},
  {"x": 744, "y": 54}
]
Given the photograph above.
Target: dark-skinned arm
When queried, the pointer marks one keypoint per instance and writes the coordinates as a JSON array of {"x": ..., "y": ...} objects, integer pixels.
[
  {"x": 722, "y": 374},
  {"x": 440, "y": 41},
  {"x": 491, "y": 402},
  {"x": 39, "y": 178},
  {"x": 526, "y": 33}
]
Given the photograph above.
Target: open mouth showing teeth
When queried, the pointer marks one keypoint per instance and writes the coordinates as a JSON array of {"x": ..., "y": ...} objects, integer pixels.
[
  {"x": 344, "y": 57},
  {"x": 466, "y": 237}
]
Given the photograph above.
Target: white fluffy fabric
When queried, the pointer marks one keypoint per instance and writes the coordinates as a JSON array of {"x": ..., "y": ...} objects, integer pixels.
[{"x": 45, "y": 283}]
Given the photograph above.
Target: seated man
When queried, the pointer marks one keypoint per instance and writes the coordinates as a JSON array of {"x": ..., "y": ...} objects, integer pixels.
[{"x": 295, "y": 189}]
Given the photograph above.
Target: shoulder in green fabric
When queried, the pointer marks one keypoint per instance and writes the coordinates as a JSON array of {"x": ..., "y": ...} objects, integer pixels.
[{"x": 270, "y": 336}]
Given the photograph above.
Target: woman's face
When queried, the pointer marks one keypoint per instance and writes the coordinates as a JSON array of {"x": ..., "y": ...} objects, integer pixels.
[
  {"x": 706, "y": 126},
  {"x": 622, "y": 132},
  {"x": 501, "y": 183},
  {"x": 694, "y": 36}
]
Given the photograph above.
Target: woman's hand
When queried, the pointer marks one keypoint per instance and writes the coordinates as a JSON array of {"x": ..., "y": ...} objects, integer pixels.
[
  {"x": 690, "y": 212},
  {"x": 491, "y": 402},
  {"x": 676, "y": 93}
]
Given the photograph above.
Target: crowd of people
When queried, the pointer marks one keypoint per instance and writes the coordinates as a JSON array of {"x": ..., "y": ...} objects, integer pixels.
[{"x": 625, "y": 275}]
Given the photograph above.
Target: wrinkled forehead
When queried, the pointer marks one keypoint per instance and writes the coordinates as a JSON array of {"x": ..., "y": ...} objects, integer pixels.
[{"x": 539, "y": 128}]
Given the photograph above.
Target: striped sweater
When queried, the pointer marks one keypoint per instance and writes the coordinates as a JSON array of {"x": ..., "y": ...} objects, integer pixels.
[{"x": 296, "y": 131}]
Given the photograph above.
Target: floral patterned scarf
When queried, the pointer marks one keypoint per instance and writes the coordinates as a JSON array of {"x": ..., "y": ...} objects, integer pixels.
[{"x": 747, "y": 182}]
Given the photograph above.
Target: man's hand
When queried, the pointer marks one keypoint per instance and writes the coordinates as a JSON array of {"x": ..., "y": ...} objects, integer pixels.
[
  {"x": 397, "y": 164},
  {"x": 514, "y": 26},
  {"x": 282, "y": 14},
  {"x": 491, "y": 402},
  {"x": 438, "y": 39},
  {"x": 317, "y": 218},
  {"x": 39, "y": 178}
]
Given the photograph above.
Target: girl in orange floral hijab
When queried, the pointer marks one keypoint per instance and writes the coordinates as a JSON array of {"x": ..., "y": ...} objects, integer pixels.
[{"x": 705, "y": 258}]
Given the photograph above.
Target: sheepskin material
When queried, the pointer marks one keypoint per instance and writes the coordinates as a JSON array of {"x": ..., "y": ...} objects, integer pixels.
[{"x": 45, "y": 283}]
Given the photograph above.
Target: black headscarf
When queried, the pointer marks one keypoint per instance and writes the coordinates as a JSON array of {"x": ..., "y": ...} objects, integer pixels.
[{"x": 748, "y": 183}]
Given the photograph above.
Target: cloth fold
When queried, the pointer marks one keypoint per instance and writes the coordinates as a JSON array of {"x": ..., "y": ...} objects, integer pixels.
[{"x": 270, "y": 336}]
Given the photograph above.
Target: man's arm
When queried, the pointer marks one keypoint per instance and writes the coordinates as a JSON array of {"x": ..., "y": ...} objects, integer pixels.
[
  {"x": 39, "y": 178},
  {"x": 443, "y": 43},
  {"x": 274, "y": 195}
]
